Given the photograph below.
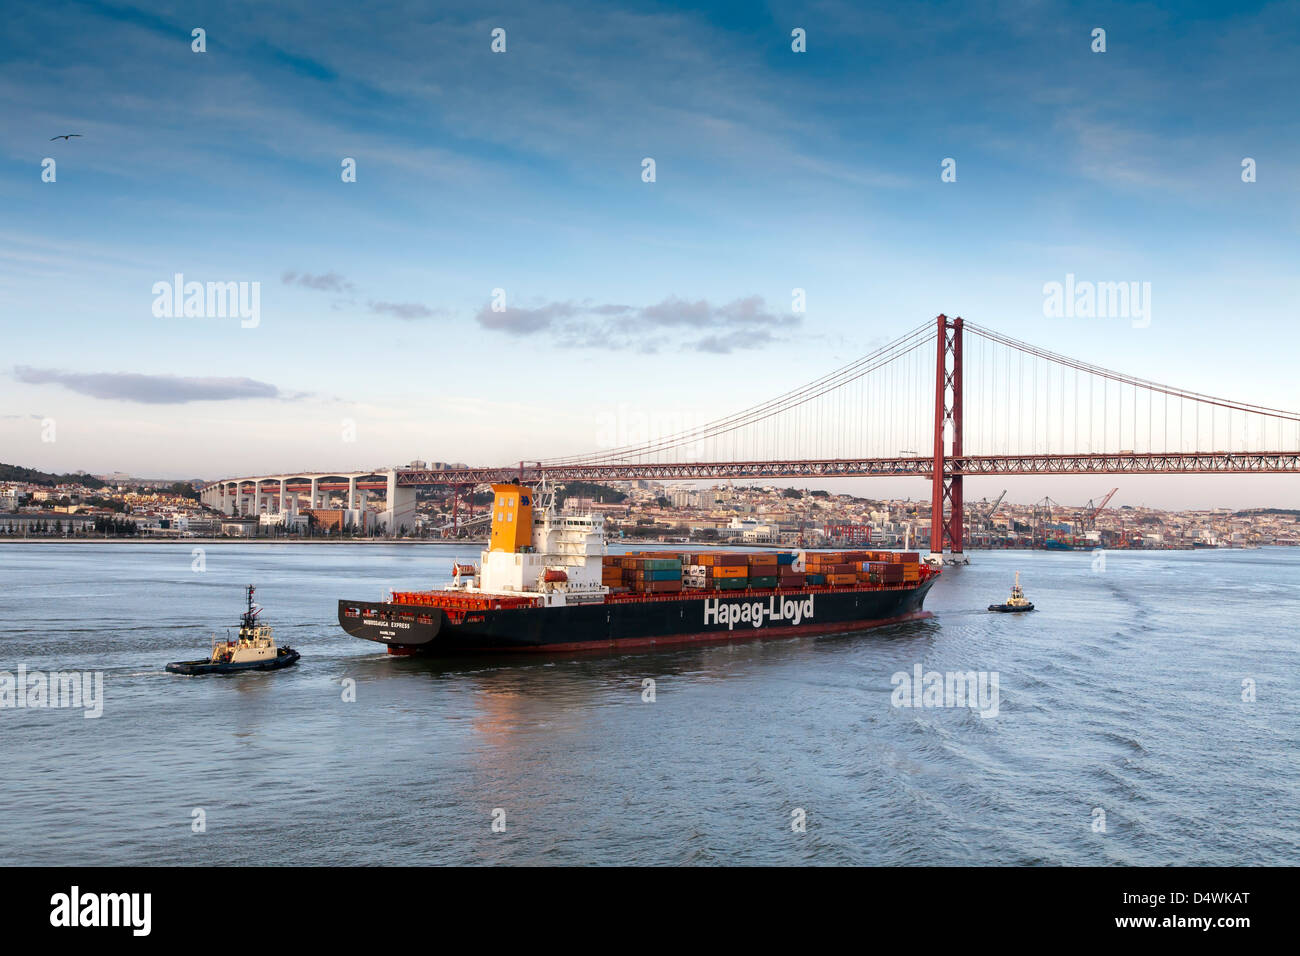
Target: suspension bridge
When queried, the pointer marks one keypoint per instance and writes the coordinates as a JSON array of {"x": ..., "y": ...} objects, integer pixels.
[{"x": 947, "y": 400}]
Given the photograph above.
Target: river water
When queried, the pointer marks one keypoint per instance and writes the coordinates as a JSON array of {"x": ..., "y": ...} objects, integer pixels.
[{"x": 1119, "y": 733}]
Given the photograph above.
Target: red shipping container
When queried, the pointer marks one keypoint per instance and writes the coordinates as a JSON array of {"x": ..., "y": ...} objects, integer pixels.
[{"x": 660, "y": 587}]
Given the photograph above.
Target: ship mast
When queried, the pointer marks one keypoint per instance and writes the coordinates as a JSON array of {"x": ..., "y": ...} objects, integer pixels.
[{"x": 249, "y": 615}]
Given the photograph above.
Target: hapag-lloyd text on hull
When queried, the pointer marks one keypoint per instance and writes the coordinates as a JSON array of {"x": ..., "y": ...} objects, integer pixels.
[{"x": 757, "y": 613}]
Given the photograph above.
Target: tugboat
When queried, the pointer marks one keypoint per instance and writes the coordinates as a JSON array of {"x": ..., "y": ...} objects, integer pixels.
[
  {"x": 1016, "y": 603},
  {"x": 253, "y": 650}
]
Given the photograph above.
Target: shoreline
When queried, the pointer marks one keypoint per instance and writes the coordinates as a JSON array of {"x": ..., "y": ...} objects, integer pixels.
[
  {"x": 270, "y": 541},
  {"x": 480, "y": 543}
]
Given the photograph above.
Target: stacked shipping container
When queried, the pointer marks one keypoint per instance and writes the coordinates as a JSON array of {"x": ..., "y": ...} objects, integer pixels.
[
  {"x": 725, "y": 572},
  {"x": 657, "y": 572},
  {"x": 647, "y": 575},
  {"x": 762, "y": 570}
]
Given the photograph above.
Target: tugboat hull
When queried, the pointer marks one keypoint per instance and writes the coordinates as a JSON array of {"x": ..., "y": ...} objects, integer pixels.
[
  {"x": 1011, "y": 608},
  {"x": 286, "y": 658}
]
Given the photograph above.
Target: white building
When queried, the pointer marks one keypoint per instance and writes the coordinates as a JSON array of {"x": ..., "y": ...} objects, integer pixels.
[
  {"x": 10, "y": 496},
  {"x": 750, "y": 531},
  {"x": 289, "y": 520}
]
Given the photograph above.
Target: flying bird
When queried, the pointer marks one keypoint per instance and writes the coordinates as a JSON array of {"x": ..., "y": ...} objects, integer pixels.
[{"x": 65, "y": 137}]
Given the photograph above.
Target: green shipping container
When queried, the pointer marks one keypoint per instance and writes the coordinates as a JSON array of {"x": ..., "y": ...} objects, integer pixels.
[
  {"x": 766, "y": 581},
  {"x": 667, "y": 574},
  {"x": 659, "y": 564}
]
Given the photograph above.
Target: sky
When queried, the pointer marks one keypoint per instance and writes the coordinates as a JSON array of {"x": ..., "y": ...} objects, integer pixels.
[{"x": 375, "y": 340}]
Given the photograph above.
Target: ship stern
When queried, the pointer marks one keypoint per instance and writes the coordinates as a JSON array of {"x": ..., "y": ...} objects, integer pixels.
[{"x": 402, "y": 629}]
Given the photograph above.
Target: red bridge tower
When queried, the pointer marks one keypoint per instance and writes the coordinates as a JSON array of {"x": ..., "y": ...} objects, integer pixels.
[{"x": 946, "y": 483}]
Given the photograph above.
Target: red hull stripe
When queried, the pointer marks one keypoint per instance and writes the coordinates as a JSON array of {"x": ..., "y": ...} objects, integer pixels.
[{"x": 703, "y": 637}]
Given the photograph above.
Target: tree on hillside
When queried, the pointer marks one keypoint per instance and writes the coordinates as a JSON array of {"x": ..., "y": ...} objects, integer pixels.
[{"x": 588, "y": 489}]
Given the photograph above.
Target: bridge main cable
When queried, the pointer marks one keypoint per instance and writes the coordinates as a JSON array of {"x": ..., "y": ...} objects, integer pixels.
[
  {"x": 1124, "y": 379},
  {"x": 909, "y": 342}
]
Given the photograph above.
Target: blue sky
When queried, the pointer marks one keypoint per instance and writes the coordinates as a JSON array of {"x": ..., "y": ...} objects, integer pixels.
[{"x": 522, "y": 171}]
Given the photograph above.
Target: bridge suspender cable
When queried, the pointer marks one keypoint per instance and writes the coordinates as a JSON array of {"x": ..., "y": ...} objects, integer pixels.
[
  {"x": 1123, "y": 379},
  {"x": 908, "y": 343}
]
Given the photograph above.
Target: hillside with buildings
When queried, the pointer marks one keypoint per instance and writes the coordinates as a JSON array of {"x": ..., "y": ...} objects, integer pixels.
[{"x": 38, "y": 504}]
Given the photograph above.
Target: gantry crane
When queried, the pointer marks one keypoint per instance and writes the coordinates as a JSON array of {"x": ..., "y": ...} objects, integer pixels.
[
  {"x": 989, "y": 513},
  {"x": 1088, "y": 520},
  {"x": 1042, "y": 518},
  {"x": 979, "y": 517}
]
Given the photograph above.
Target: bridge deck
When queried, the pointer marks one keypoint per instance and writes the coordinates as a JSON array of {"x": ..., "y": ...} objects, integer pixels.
[{"x": 1192, "y": 463}]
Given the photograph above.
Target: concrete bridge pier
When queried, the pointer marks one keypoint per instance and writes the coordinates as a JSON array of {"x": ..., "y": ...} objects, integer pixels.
[{"x": 399, "y": 508}]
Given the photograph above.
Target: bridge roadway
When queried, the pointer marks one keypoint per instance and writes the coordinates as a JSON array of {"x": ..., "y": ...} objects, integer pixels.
[
  {"x": 270, "y": 494},
  {"x": 1122, "y": 463}
]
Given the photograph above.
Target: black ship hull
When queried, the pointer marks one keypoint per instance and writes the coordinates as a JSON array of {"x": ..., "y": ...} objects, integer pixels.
[{"x": 699, "y": 618}]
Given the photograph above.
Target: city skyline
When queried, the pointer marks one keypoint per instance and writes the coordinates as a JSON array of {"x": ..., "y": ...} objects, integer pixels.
[{"x": 523, "y": 171}]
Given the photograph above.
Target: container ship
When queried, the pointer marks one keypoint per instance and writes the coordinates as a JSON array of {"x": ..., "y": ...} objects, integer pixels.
[{"x": 545, "y": 584}]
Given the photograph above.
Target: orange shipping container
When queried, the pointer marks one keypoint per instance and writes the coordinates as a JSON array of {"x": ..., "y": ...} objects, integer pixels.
[{"x": 724, "y": 572}]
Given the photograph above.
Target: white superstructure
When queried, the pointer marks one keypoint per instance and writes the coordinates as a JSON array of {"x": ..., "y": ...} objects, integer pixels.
[{"x": 535, "y": 550}]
